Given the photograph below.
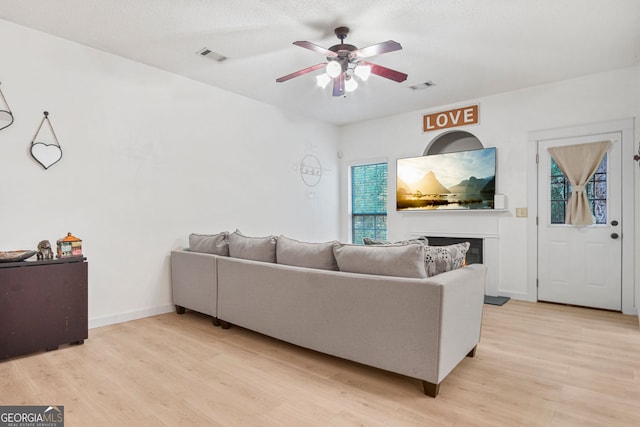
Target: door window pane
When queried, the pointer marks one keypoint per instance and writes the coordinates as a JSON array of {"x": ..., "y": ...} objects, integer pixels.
[
  {"x": 557, "y": 211},
  {"x": 596, "y": 193}
]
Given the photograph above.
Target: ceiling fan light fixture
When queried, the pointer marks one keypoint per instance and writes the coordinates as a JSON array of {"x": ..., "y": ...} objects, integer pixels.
[
  {"x": 350, "y": 84},
  {"x": 345, "y": 61},
  {"x": 363, "y": 72},
  {"x": 334, "y": 69},
  {"x": 323, "y": 80}
]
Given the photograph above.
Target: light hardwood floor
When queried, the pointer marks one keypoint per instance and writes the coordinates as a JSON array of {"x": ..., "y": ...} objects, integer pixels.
[{"x": 536, "y": 365}]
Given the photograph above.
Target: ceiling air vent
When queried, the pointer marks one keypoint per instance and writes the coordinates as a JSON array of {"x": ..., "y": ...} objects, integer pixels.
[
  {"x": 425, "y": 85},
  {"x": 208, "y": 53}
]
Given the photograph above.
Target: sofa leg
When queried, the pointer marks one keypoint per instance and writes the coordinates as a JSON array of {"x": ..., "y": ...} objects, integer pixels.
[
  {"x": 225, "y": 325},
  {"x": 180, "y": 309},
  {"x": 216, "y": 321},
  {"x": 430, "y": 389},
  {"x": 472, "y": 353}
]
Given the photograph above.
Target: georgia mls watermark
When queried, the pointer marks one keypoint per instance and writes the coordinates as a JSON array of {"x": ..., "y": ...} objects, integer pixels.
[{"x": 31, "y": 416}]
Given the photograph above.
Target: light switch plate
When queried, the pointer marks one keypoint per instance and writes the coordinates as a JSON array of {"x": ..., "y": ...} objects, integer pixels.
[{"x": 521, "y": 213}]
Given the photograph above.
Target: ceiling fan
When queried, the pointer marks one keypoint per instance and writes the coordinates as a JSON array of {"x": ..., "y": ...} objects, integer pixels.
[{"x": 345, "y": 60}]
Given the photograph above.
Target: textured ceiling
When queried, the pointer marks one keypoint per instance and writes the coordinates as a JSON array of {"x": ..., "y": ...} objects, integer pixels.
[{"x": 468, "y": 48}]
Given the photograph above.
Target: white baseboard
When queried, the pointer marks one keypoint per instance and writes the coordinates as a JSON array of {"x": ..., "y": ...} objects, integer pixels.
[{"x": 131, "y": 315}]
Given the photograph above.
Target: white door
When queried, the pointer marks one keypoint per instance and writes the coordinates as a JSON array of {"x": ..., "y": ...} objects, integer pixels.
[{"x": 580, "y": 265}]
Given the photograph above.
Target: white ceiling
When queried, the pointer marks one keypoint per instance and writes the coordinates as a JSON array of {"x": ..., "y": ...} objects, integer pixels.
[{"x": 468, "y": 48}]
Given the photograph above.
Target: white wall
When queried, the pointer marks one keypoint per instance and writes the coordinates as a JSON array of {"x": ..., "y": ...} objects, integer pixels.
[
  {"x": 505, "y": 120},
  {"x": 148, "y": 157}
]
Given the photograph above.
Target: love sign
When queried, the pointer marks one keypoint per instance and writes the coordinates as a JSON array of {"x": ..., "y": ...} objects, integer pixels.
[{"x": 451, "y": 118}]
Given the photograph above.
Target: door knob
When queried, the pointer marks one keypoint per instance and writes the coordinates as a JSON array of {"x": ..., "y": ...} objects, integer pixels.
[
  {"x": 614, "y": 222},
  {"x": 614, "y": 235}
]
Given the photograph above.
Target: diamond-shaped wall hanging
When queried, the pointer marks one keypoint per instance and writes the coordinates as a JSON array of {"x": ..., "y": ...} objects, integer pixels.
[
  {"x": 44, "y": 153},
  {"x": 6, "y": 116}
]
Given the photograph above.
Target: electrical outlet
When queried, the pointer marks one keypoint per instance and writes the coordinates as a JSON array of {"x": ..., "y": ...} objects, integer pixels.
[{"x": 521, "y": 213}]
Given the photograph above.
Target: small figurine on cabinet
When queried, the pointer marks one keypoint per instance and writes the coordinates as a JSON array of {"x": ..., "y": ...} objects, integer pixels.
[{"x": 44, "y": 250}]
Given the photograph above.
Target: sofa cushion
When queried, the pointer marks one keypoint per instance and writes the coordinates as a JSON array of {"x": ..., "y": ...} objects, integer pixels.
[
  {"x": 303, "y": 254},
  {"x": 253, "y": 248},
  {"x": 217, "y": 244},
  {"x": 439, "y": 259},
  {"x": 384, "y": 260},
  {"x": 422, "y": 240}
]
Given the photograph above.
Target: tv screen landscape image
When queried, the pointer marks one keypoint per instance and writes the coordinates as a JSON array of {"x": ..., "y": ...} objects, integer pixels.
[{"x": 460, "y": 180}]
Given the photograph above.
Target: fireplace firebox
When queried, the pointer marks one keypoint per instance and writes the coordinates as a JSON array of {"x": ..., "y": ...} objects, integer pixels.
[{"x": 474, "y": 255}]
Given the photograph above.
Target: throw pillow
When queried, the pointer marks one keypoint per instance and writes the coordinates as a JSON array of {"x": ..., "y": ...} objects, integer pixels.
[
  {"x": 439, "y": 259},
  {"x": 303, "y": 254},
  {"x": 383, "y": 260},
  {"x": 253, "y": 248},
  {"x": 217, "y": 244}
]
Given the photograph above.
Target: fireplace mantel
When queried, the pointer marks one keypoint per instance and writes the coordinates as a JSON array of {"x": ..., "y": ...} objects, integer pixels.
[{"x": 454, "y": 234}]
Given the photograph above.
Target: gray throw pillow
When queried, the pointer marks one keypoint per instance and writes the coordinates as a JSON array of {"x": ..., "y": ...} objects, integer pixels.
[
  {"x": 439, "y": 259},
  {"x": 253, "y": 248},
  {"x": 383, "y": 260},
  {"x": 217, "y": 244},
  {"x": 303, "y": 254}
]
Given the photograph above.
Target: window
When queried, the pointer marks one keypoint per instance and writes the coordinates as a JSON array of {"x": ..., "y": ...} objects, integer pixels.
[
  {"x": 368, "y": 202},
  {"x": 596, "y": 193}
]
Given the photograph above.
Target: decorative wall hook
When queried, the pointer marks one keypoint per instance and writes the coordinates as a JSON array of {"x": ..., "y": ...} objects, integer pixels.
[
  {"x": 6, "y": 116},
  {"x": 46, "y": 154}
]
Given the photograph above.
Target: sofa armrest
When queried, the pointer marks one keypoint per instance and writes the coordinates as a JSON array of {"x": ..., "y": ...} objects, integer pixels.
[
  {"x": 461, "y": 314},
  {"x": 194, "y": 279}
]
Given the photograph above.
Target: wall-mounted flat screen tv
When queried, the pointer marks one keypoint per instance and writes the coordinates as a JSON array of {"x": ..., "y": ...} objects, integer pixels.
[{"x": 460, "y": 180}]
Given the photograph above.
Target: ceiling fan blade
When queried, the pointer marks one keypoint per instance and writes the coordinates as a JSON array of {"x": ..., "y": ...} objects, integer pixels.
[
  {"x": 385, "y": 72},
  {"x": 378, "y": 49},
  {"x": 315, "y": 48},
  {"x": 338, "y": 85},
  {"x": 301, "y": 72}
]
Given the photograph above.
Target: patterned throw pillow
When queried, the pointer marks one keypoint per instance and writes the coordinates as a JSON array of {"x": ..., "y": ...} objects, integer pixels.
[{"x": 439, "y": 259}]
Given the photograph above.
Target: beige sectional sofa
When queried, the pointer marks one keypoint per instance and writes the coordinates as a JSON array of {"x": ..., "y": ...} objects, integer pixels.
[{"x": 422, "y": 327}]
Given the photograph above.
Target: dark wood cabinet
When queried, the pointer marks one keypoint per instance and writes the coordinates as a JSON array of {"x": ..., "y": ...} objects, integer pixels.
[{"x": 43, "y": 304}]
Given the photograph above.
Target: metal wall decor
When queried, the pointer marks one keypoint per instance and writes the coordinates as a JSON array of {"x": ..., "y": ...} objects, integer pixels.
[
  {"x": 6, "y": 116},
  {"x": 46, "y": 154},
  {"x": 310, "y": 170}
]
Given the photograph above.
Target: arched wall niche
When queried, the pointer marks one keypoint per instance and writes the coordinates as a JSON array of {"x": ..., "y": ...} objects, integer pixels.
[{"x": 449, "y": 142}]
